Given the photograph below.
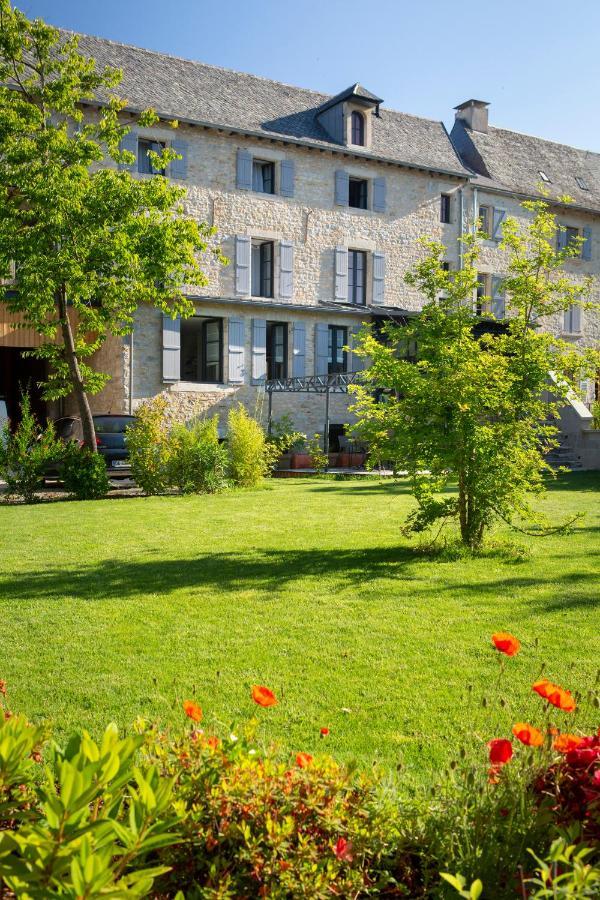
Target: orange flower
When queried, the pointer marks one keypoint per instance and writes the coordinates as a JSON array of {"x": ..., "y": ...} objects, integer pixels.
[
  {"x": 213, "y": 742},
  {"x": 2, "y": 687},
  {"x": 501, "y": 751},
  {"x": 303, "y": 760},
  {"x": 554, "y": 694},
  {"x": 564, "y": 743},
  {"x": 263, "y": 696},
  {"x": 528, "y": 735},
  {"x": 192, "y": 710},
  {"x": 506, "y": 643}
]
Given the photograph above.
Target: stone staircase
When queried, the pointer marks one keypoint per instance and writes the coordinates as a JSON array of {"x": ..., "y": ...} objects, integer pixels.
[{"x": 563, "y": 455}]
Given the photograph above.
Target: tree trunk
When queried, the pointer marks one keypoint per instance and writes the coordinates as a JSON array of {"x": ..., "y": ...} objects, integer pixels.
[{"x": 85, "y": 413}]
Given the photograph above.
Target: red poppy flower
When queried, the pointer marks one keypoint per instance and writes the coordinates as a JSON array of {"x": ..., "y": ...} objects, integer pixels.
[
  {"x": 263, "y": 696},
  {"x": 564, "y": 743},
  {"x": 554, "y": 694},
  {"x": 343, "y": 849},
  {"x": 192, "y": 710},
  {"x": 501, "y": 751},
  {"x": 303, "y": 760},
  {"x": 213, "y": 742},
  {"x": 506, "y": 643},
  {"x": 528, "y": 735},
  {"x": 324, "y": 732},
  {"x": 541, "y": 687}
]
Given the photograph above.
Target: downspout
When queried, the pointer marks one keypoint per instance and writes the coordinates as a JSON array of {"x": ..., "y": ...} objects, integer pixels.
[
  {"x": 461, "y": 212},
  {"x": 130, "y": 386}
]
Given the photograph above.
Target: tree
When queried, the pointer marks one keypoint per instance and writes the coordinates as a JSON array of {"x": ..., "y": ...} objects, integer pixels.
[
  {"x": 472, "y": 408},
  {"x": 90, "y": 242}
]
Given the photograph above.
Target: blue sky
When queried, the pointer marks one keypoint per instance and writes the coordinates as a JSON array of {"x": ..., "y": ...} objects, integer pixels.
[{"x": 536, "y": 61}]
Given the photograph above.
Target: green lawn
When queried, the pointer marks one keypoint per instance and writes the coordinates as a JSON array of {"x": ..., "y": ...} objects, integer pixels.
[{"x": 115, "y": 609}]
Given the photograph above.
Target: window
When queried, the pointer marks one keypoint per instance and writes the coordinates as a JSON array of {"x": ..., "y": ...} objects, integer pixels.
[
  {"x": 276, "y": 350},
  {"x": 544, "y": 177},
  {"x": 571, "y": 235},
  {"x": 582, "y": 183},
  {"x": 262, "y": 269},
  {"x": 336, "y": 355},
  {"x": 483, "y": 293},
  {"x": 357, "y": 282},
  {"x": 358, "y": 129},
  {"x": 445, "y": 208},
  {"x": 202, "y": 349},
  {"x": 484, "y": 219},
  {"x": 357, "y": 193},
  {"x": 263, "y": 177},
  {"x": 145, "y": 166}
]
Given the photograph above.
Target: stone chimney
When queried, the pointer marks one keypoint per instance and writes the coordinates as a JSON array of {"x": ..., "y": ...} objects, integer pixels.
[{"x": 473, "y": 114}]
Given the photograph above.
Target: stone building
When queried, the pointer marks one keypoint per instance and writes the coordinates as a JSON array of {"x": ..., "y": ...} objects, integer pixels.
[{"x": 318, "y": 203}]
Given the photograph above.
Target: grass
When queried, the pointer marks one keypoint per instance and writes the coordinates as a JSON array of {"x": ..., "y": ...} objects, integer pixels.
[{"x": 115, "y": 609}]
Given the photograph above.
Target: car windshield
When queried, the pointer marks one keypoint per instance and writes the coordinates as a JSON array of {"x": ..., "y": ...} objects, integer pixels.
[{"x": 112, "y": 424}]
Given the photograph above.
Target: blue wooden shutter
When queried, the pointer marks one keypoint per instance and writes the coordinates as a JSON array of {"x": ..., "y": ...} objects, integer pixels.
[
  {"x": 259, "y": 350},
  {"x": 341, "y": 274},
  {"x": 321, "y": 348},
  {"x": 561, "y": 238},
  {"x": 572, "y": 320},
  {"x": 242, "y": 264},
  {"x": 244, "y": 170},
  {"x": 497, "y": 220},
  {"x": 129, "y": 142},
  {"x": 299, "y": 350},
  {"x": 378, "y": 278},
  {"x": 286, "y": 270},
  {"x": 178, "y": 168},
  {"x": 236, "y": 350},
  {"x": 498, "y": 299},
  {"x": 586, "y": 250},
  {"x": 342, "y": 187},
  {"x": 286, "y": 178},
  {"x": 356, "y": 363},
  {"x": 171, "y": 344},
  {"x": 379, "y": 194}
]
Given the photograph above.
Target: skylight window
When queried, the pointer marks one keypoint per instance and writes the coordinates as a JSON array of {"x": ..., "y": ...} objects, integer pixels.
[
  {"x": 582, "y": 183},
  {"x": 544, "y": 177}
]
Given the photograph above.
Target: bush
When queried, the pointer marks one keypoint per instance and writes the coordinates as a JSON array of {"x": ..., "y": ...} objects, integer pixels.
[
  {"x": 26, "y": 453},
  {"x": 320, "y": 460},
  {"x": 246, "y": 447},
  {"x": 83, "y": 473},
  {"x": 148, "y": 446},
  {"x": 282, "y": 439},
  {"x": 197, "y": 461}
]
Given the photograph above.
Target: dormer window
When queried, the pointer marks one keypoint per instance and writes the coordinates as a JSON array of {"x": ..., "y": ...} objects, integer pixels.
[
  {"x": 358, "y": 129},
  {"x": 544, "y": 177},
  {"x": 581, "y": 183}
]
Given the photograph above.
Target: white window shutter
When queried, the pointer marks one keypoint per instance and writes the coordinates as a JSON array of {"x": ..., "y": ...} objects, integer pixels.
[
  {"x": 299, "y": 350},
  {"x": 242, "y": 264},
  {"x": 321, "y": 348},
  {"x": 286, "y": 270},
  {"x": 171, "y": 347},
  {"x": 341, "y": 275},
  {"x": 378, "y": 278},
  {"x": 236, "y": 349},
  {"x": 259, "y": 351}
]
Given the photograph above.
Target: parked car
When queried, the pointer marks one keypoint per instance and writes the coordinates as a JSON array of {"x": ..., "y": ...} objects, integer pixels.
[{"x": 110, "y": 439}]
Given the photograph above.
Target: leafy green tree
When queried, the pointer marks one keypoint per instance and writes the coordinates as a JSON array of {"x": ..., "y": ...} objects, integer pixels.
[
  {"x": 472, "y": 408},
  {"x": 90, "y": 242}
]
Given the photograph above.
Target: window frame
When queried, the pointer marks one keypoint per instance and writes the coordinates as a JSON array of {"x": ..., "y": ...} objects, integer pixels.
[
  {"x": 445, "y": 209},
  {"x": 354, "y": 255},
  {"x": 333, "y": 367},
  {"x": 264, "y": 163},
  {"x": 202, "y": 376},
  {"x": 152, "y": 145},
  {"x": 271, "y": 343},
  {"x": 362, "y": 186},
  {"x": 484, "y": 227},
  {"x": 483, "y": 309},
  {"x": 266, "y": 273},
  {"x": 357, "y": 128}
]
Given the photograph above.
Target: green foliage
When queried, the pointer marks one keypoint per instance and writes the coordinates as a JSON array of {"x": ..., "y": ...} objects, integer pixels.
[
  {"x": 96, "y": 822},
  {"x": 568, "y": 872},
  {"x": 91, "y": 243},
  {"x": 246, "y": 447},
  {"x": 471, "y": 409},
  {"x": 26, "y": 452},
  {"x": 197, "y": 461},
  {"x": 83, "y": 473},
  {"x": 148, "y": 445},
  {"x": 596, "y": 414},
  {"x": 283, "y": 439},
  {"x": 319, "y": 459},
  {"x": 459, "y": 882}
]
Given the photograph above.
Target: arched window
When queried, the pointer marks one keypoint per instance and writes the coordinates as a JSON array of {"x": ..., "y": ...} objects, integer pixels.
[{"x": 358, "y": 129}]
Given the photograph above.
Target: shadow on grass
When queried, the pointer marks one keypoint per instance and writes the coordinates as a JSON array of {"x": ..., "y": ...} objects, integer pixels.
[{"x": 270, "y": 571}]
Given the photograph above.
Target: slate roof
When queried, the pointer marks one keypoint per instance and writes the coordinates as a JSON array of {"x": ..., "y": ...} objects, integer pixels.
[
  {"x": 205, "y": 94},
  {"x": 512, "y": 161}
]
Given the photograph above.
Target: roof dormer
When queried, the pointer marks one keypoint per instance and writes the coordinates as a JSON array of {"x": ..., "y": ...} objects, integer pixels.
[{"x": 347, "y": 117}]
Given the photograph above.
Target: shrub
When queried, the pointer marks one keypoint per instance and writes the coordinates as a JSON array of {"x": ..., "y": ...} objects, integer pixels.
[
  {"x": 197, "y": 461},
  {"x": 246, "y": 448},
  {"x": 148, "y": 446},
  {"x": 84, "y": 473},
  {"x": 26, "y": 452},
  {"x": 282, "y": 439},
  {"x": 320, "y": 460}
]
